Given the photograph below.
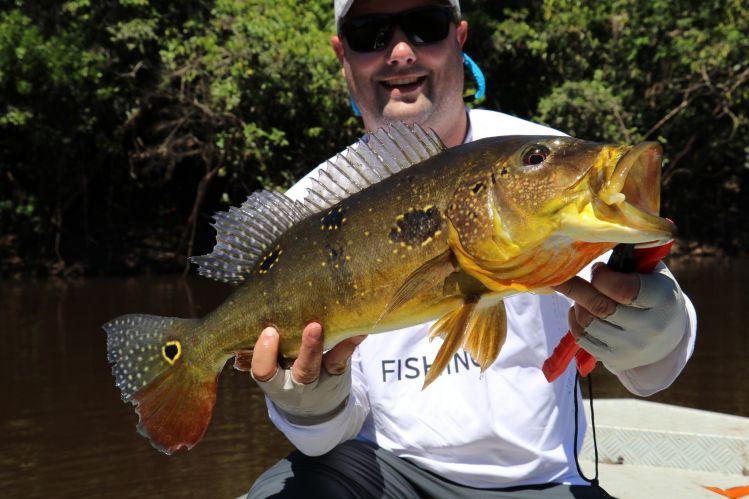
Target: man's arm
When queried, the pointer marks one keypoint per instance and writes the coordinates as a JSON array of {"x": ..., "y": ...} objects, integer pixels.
[{"x": 312, "y": 403}]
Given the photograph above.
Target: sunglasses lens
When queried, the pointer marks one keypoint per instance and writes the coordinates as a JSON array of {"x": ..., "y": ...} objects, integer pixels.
[
  {"x": 373, "y": 33},
  {"x": 368, "y": 34},
  {"x": 426, "y": 26}
]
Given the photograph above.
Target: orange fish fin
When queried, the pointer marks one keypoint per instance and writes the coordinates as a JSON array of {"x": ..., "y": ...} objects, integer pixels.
[
  {"x": 175, "y": 408},
  {"x": 487, "y": 330},
  {"x": 430, "y": 274},
  {"x": 243, "y": 360},
  {"x": 452, "y": 327},
  {"x": 173, "y": 397},
  {"x": 733, "y": 492}
]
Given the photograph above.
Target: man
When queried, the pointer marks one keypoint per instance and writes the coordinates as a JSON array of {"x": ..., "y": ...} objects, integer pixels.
[{"x": 357, "y": 414}]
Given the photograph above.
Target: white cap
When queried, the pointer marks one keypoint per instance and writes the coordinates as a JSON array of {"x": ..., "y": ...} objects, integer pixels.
[{"x": 343, "y": 6}]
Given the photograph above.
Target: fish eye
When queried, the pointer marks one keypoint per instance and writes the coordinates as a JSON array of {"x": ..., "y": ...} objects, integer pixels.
[{"x": 536, "y": 154}]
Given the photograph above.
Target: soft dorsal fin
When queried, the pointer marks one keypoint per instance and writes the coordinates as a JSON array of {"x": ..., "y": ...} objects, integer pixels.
[
  {"x": 246, "y": 234},
  {"x": 373, "y": 158}
]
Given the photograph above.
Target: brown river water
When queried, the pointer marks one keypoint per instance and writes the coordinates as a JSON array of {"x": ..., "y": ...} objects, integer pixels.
[{"x": 64, "y": 432}]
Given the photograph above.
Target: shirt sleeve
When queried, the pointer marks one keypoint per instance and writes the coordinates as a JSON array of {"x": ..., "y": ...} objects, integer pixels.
[
  {"x": 649, "y": 379},
  {"x": 315, "y": 440}
]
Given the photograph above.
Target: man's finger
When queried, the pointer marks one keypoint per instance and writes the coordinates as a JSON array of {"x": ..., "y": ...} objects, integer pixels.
[
  {"x": 265, "y": 355},
  {"x": 336, "y": 359},
  {"x": 581, "y": 316},
  {"x": 585, "y": 295},
  {"x": 657, "y": 288},
  {"x": 306, "y": 367},
  {"x": 576, "y": 328},
  {"x": 620, "y": 287}
]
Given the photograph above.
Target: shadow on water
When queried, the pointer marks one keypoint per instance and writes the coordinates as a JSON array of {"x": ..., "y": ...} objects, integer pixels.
[{"x": 64, "y": 432}]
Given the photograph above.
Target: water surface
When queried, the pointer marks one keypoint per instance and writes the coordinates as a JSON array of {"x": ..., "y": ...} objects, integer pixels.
[{"x": 64, "y": 432}]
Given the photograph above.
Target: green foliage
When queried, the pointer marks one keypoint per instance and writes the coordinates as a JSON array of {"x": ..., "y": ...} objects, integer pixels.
[{"x": 125, "y": 123}]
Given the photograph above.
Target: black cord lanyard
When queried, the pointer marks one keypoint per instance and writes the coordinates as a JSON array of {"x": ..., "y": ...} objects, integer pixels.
[{"x": 594, "y": 480}]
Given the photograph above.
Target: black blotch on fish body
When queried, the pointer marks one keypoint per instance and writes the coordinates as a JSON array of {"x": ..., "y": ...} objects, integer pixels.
[
  {"x": 335, "y": 253},
  {"x": 334, "y": 219},
  {"x": 416, "y": 226},
  {"x": 477, "y": 188},
  {"x": 341, "y": 275},
  {"x": 269, "y": 260}
]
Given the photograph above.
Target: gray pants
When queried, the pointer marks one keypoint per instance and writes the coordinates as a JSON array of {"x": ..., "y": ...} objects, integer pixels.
[{"x": 359, "y": 470}]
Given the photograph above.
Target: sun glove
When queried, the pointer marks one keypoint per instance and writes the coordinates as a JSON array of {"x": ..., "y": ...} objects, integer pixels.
[
  {"x": 643, "y": 332},
  {"x": 310, "y": 404}
]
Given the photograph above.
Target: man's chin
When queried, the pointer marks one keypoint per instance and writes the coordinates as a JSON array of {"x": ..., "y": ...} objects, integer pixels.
[{"x": 409, "y": 112}]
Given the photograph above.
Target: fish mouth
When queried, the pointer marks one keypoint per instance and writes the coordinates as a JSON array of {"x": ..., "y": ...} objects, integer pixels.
[{"x": 631, "y": 194}]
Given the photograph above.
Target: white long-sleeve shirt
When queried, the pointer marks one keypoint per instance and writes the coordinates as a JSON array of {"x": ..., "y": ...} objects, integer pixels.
[{"x": 505, "y": 427}]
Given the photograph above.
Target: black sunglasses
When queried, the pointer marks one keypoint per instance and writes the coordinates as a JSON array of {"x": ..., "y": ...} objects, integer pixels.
[{"x": 374, "y": 32}]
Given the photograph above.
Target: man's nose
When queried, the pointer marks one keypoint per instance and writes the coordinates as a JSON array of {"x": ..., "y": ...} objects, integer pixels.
[{"x": 401, "y": 52}]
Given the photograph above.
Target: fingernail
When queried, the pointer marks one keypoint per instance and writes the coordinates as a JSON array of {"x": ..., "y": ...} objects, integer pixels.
[
  {"x": 315, "y": 333},
  {"x": 270, "y": 332}
]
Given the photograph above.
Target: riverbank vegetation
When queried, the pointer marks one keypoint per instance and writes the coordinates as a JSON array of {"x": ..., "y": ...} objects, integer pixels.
[{"x": 124, "y": 124}]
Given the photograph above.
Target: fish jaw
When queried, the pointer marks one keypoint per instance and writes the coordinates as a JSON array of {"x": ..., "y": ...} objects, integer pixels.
[{"x": 624, "y": 199}]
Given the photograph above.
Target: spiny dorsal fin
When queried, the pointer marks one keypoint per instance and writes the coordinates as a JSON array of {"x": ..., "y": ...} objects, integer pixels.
[
  {"x": 246, "y": 234},
  {"x": 372, "y": 159}
]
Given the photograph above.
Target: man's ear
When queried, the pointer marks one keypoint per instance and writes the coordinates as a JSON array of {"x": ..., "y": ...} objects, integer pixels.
[
  {"x": 461, "y": 32},
  {"x": 337, "y": 44}
]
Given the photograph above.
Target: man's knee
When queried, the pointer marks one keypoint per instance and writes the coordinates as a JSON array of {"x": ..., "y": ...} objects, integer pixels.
[
  {"x": 350, "y": 470},
  {"x": 272, "y": 481}
]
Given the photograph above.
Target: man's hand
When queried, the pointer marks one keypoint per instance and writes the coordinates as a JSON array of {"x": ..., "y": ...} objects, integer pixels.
[
  {"x": 316, "y": 387},
  {"x": 626, "y": 320}
]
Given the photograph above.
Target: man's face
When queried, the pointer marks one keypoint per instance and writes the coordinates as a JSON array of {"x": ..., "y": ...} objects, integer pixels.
[{"x": 405, "y": 81}]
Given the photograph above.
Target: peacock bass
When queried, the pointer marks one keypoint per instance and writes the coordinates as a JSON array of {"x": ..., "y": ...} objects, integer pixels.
[{"x": 396, "y": 231}]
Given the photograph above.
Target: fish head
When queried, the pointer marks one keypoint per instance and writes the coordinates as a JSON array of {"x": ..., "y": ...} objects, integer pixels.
[{"x": 557, "y": 200}]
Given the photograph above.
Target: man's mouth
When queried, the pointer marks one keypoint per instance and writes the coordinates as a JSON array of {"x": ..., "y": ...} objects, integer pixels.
[{"x": 404, "y": 84}]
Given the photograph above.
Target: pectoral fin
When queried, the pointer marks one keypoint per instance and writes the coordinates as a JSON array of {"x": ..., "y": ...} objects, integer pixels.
[
  {"x": 432, "y": 273},
  {"x": 480, "y": 331}
]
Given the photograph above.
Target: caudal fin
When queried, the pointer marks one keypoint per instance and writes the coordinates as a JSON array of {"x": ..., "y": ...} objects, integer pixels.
[{"x": 173, "y": 398}]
